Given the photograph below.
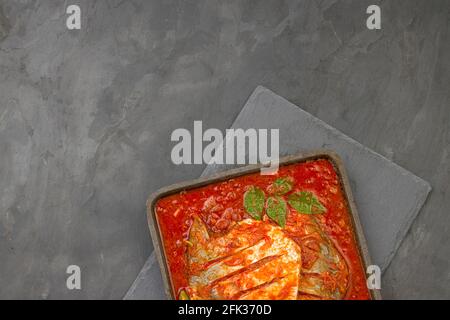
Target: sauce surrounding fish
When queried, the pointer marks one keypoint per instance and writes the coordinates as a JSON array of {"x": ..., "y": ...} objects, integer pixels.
[{"x": 221, "y": 240}]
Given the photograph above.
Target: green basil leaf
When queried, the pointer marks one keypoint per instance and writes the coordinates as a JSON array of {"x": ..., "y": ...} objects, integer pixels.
[
  {"x": 280, "y": 186},
  {"x": 306, "y": 202},
  {"x": 254, "y": 202},
  {"x": 183, "y": 295},
  {"x": 276, "y": 209}
]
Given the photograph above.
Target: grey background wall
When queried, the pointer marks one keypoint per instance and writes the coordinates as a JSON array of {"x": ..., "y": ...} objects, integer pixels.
[{"x": 86, "y": 117}]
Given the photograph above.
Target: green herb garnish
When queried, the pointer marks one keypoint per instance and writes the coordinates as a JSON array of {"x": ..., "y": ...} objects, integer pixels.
[
  {"x": 254, "y": 202},
  {"x": 276, "y": 209},
  {"x": 306, "y": 202},
  {"x": 280, "y": 186}
]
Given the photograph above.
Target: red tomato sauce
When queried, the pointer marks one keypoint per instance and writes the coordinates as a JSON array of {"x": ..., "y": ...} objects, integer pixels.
[{"x": 220, "y": 206}]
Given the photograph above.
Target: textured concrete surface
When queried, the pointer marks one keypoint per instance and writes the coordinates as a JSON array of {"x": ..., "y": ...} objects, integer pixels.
[
  {"x": 85, "y": 119},
  {"x": 149, "y": 283}
]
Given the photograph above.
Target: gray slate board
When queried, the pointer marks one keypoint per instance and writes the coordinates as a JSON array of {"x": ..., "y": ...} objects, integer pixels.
[{"x": 387, "y": 196}]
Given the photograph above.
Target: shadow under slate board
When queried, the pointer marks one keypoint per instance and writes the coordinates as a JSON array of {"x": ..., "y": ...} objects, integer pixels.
[{"x": 387, "y": 196}]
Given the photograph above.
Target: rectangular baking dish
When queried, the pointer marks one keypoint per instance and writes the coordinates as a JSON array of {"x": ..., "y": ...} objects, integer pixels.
[{"x": 229, "y": 174}]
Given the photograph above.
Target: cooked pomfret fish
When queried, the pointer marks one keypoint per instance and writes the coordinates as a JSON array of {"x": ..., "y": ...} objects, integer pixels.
[
  {"x": 254, "y": 260},
  {"x": 324, "y": 273}
]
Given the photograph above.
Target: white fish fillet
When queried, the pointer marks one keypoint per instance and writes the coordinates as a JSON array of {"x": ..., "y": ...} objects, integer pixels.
[{"x": 254, "y": 260}]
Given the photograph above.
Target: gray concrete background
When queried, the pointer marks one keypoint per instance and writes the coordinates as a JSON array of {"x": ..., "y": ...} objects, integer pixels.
[{"x": 86, "y": 116}]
